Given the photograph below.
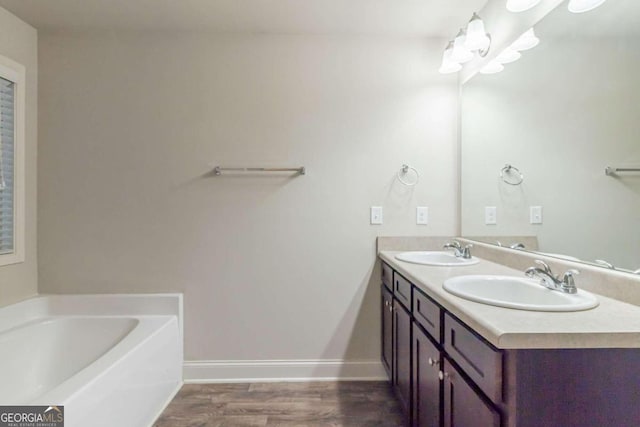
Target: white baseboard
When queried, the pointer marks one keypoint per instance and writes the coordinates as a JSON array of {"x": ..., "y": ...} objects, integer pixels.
[{"x": 229, "y": 371}]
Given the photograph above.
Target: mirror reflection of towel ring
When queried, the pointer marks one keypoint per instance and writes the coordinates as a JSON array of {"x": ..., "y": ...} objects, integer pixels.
[
  {"x": 511, "y": 175},
  {"x": 406, "y": 169}
]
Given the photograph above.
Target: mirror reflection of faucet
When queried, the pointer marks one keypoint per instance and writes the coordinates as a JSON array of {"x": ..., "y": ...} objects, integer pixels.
[
  {"x": 516, "y": 245},
  {"x": 605, "y": 264}
]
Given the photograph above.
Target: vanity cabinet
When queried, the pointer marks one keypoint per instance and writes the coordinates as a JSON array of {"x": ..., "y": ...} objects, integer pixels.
[
  {"x": 430, "y": 349},
  {"x": 446, "y": 375}
]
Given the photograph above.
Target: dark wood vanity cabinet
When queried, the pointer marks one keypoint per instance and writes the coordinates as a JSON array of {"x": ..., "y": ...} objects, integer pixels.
[
  {"x": 446, "y": 375},
  {"x": 431, "y": 391}
]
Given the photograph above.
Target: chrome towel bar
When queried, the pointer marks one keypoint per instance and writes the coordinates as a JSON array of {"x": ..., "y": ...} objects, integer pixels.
[
  {"x": 219, "y": 169},
  {"x": 613, "y": 171}
]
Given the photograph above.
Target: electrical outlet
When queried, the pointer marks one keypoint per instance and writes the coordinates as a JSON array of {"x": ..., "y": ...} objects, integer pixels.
[
  {"x": 490, "y": 215},
  {"x": 376, "y": 215},
  {"x": 535, "y": 214},
  {"x": 422, "y": 215}
]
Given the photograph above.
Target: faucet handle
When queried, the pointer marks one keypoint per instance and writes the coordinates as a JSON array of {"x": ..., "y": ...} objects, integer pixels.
[
  {"x": 569, "y": 282},
  {"x": 466, "y": 252}
]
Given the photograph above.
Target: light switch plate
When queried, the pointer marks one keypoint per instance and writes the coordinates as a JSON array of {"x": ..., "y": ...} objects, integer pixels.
[
  {"x": 490, "y": 215},
  {"x": 535, "y": 214},
  {"x": 376, "y": 215},
  {"x": 422, "y": 215}
]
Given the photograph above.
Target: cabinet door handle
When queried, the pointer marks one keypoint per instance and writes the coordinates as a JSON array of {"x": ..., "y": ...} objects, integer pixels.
[
  {"x": 386, "y": 303},
  {"x": 433, "y": 362},
  {"x": 442, "y": 375}
]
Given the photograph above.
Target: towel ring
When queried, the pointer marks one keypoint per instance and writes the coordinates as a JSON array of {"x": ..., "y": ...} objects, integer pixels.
[
  {"x": 404, "y": 171},
  {"x": 517, "y": 177}
]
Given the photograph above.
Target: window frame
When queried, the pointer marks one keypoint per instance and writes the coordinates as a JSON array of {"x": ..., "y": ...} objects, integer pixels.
[{"x": 16, "y": 73}]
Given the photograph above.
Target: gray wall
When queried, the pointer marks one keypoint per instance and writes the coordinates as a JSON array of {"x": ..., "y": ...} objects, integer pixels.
[
  {"x": 271, "y": 267},
  {"x": 19, "y": 42}
]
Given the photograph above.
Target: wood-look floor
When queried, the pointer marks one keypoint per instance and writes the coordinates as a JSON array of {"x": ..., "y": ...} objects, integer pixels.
[{"x": 316, "y": 404}]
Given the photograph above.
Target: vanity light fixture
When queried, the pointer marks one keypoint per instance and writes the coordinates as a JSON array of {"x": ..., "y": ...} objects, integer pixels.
[
  {"x": 448, "y": 66},
  {"x": 526, "y": 41},
  {"x": 469, "y": 41},
  {"x": 492, "y": 67},
  {"x": 580, "y": 6},
  {"x": 477, "y": 38},
  {"x": 521, "y": 5},
  {"x": 460, "y": 53},
  {"x": 508, "y": 56}
]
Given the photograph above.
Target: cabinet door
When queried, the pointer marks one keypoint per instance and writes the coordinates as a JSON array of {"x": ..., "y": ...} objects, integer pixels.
[
  {"x": 402, "y": 355},
  {"x": 387, "y": 331},
  {"x": 463, "y": 406},
  {"x": 426, "y": 383}
]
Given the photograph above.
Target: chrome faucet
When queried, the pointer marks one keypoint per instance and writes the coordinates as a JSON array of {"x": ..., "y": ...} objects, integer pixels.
[
  {"x": 547, "y": 279},
  {"x": 516, "y": 245},
  {"x": 458, "y": 250},
  {"x": 605, "y": 264}
]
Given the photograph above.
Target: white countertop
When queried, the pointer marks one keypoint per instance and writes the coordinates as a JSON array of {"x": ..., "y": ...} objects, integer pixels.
[{"x": 613, "y": 324}]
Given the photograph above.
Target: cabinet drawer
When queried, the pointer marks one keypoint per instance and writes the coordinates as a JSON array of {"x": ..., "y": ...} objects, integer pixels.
[
  {"x": 479, "y": 360},
  {"x": 427, "y": 314},
  {"x": 402, "y": 290},
  {"x": 387, "y": 276}
]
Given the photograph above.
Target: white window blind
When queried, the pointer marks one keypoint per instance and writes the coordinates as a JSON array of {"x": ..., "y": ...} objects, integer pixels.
[{"x": 7, "y": 166}]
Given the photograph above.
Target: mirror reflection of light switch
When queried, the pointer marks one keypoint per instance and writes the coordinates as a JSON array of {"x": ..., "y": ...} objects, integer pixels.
[
  {"x": 490, "y": 215},
  {"x": 422, "y": 215},
  {"x": 376, "y": 215},
  {"x": 535, "y": 213}
]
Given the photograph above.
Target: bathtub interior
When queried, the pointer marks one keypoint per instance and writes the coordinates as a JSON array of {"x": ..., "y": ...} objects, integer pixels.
[
  {"x": 38, "y": 356},
  {"x": 88, "y": 352}
]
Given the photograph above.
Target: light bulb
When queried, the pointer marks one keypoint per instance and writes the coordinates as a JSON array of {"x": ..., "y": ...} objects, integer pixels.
[
  {"x": 448, "y": 66},
  {"x": 508, "y": 56},
  {"x": 460, "y": 54},
  {"x": 521, "y": 5},
  {"x": 526, "y": 41},
  {"x": 477, "y": 38},
  {"x": 492, "y": 67},
  {"x": 580, "y": 6}
]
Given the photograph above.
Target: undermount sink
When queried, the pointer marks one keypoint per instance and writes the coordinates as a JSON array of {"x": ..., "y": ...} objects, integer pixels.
[
  {"x": 517, "y": 292},
  {"x": 435, "y": 258}
]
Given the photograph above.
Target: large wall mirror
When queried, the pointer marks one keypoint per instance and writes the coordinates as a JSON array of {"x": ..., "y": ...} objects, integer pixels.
[{"x": 562, "y": 114}]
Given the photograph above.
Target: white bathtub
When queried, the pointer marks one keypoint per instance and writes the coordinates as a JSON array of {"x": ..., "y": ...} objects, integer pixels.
[{"x": 111, "y": 360}]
